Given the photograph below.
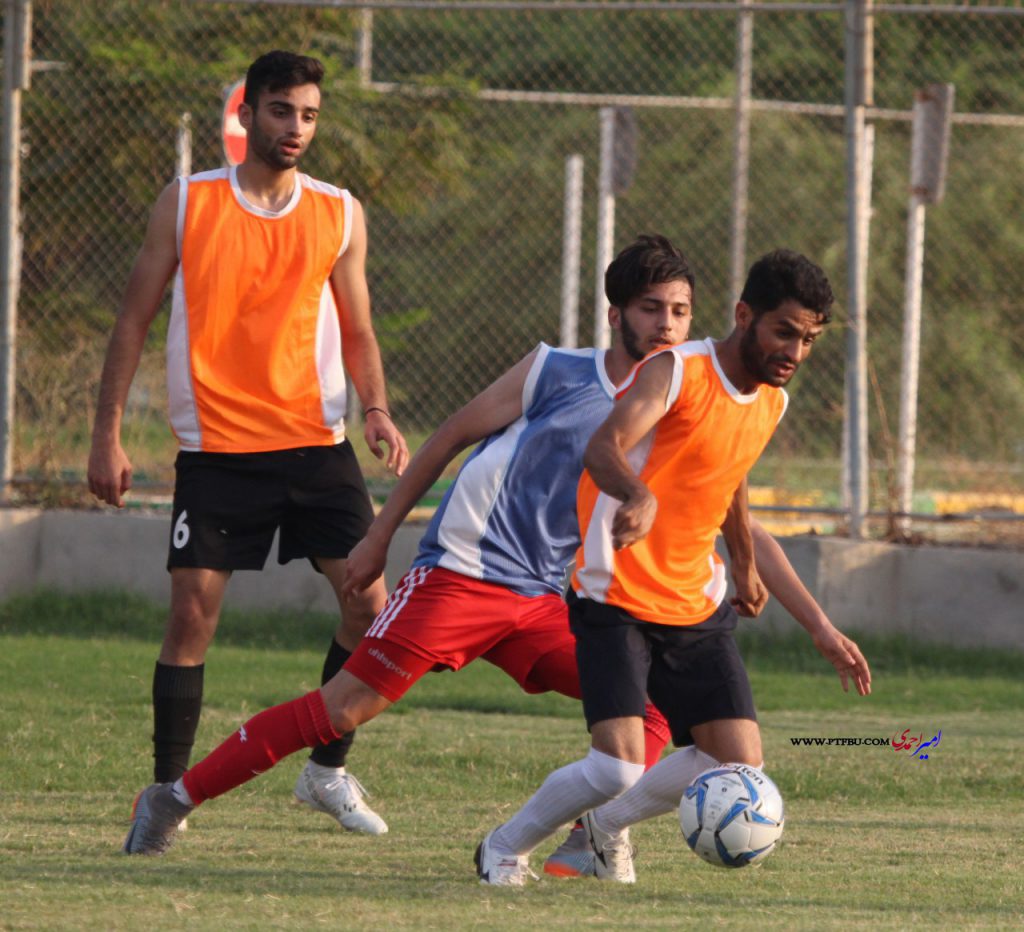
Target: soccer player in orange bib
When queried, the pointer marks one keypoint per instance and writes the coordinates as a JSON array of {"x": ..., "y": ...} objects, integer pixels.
[
  {"x": 270, "y": 308},
  {"x": 647, "y": 604}
]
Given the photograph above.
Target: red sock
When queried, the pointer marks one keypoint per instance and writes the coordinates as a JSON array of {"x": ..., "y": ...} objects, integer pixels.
[
  {"x": 656, "y": 735},
  {"x": 259, "y": 744}
]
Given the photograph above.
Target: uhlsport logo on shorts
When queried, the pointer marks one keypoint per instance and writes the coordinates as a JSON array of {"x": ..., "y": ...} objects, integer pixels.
[
  {"x": 905, "y": 743},
  {"x": 377, "y": 654}
]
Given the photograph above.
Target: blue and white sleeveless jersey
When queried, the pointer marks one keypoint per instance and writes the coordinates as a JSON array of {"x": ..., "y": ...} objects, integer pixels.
[{"x": 510, "y": 516}]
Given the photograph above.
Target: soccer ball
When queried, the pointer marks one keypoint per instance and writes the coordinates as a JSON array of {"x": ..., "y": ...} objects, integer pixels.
[{"x": 732, "y": 815}]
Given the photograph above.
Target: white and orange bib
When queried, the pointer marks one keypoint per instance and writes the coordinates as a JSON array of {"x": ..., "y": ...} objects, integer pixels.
[
  {"x": 254, "y": 342},
  {"x": 692, "y": 461}
]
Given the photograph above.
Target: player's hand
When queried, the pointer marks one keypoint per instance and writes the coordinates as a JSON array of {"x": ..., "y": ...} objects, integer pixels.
[
  {"x": 634, "y": 519},
  {"x": 109, "y": 473},
  {"x": 365, "y": 563},
  {"x": 845, "y": 656},
  {"x": 751, "y": 595},
  {"x": 379, "y": 428}
]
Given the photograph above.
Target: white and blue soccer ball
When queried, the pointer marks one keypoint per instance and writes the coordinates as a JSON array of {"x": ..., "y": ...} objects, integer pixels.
[{"x": 732, "y": 815}]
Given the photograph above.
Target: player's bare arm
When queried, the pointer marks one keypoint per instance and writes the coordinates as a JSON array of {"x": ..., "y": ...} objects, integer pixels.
[
  {"x": 109, "y": 469},
  {"x": 634, "y": 415},
  {"x": 359, "y": 347},
  {"x": 751, "y": 595},
  {"x": 495, "y": 407},
  {"x": 782, "y": 581}
]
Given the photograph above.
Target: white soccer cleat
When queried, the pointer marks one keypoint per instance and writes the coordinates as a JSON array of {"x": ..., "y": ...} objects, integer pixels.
[
  {"x": 501, "y": 870},
  {"x": 339, "y": 794},
  {"x": 613, "y": 854}
]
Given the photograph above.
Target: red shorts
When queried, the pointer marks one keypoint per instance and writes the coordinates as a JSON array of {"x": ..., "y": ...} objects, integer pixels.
[{"x": 437, "y": 620}]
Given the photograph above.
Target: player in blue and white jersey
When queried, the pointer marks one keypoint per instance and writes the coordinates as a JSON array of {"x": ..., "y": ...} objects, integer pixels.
[{"x": 488, "y": 579}]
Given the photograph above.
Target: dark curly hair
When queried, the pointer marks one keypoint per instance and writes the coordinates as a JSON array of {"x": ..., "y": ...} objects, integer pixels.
[
  {"x": 278, "y": 71},
  {"x": 649, "y": 260},
  {"x": 785, "y": 275}
]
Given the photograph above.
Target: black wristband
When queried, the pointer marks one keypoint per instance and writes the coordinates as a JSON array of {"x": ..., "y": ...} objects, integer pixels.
[{"x": 375, "y": 408}]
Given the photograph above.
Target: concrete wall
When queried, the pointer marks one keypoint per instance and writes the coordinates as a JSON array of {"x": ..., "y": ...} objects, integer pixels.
[
  {"x": 950, "y": 595},
  {"x": 81, "y": 550}
]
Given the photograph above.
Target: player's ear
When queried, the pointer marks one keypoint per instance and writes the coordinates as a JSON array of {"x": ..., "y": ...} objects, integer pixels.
[
  {"x": 744, "y": 315},
  {"x": 614, "y": 317},
  {"x": 245, "y": 115}
]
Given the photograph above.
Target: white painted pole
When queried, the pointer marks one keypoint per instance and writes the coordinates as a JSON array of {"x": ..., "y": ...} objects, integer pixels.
[
  {"x": 740, "y": 161},
  {"x": 929, "y": 149},
  {"x": 859, "y": 64},
  {"x": 17, "y": 72},
  {"x": 365, "y": 36},
  {"x": 911, "y": 359},
  {"x": 183, "y": 146},
  {"x": 605, "y": 226},
  {"x": 865, "y": 243},
  {"x": 572, "y": 236}
]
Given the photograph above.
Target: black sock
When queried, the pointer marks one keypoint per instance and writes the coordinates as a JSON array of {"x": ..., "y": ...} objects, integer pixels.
[
  {"x": 333, "y": 754},
  {"x": 177, "y": 702}
]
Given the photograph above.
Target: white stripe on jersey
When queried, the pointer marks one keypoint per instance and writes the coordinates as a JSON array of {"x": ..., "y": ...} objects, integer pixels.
[
  {"x": 464, "y": 523},
  {"x": 415, "y": 577}
]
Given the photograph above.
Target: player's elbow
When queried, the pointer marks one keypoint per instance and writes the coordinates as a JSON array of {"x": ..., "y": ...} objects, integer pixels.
[{"x": 595, "y": 452}]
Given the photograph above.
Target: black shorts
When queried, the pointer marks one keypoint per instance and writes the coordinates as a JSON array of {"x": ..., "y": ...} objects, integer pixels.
[
  {"x": 693, "y": 674},
  {"x": 227, "y": 507}
]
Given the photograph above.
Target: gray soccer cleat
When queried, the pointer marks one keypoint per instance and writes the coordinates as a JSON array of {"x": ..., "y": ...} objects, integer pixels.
[
  {"x": 156, "y": 817},
  {"x": 573, "y": 857}
]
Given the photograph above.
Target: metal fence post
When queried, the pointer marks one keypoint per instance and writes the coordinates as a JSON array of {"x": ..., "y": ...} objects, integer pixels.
[
  {"x": 741, "y": 159},
  {"x": 17, "y": 71},
  {"x": 571, "y": 238},
  {"x": 859, "y": 81},
  {"x": 364, "y": 63},
  {"x": 183, "y": 146},
  {"x": 605, "y": 226},
  {"x": 929, "y": 149}
]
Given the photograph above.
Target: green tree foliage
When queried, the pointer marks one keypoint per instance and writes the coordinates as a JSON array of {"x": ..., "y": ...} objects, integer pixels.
[
  {"x": 102, "y": 132},
  {"x": 465, "y": 196}
]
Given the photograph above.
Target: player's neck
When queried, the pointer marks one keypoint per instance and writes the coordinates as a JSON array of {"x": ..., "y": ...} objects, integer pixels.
[
  {"x": 618, "y": 363},
  {"x": 266, "y": 187},
  {"x": 731, "y": 362}
]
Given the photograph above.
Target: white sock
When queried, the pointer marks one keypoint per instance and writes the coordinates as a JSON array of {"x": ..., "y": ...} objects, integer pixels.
[
  {"x": 180, "y": 793},
  {"x": 564, "y": 795},
  {"x": 658, "y": 791}
]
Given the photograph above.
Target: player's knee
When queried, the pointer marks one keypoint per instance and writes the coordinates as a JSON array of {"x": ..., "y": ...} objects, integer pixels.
[
  {"x": 189, "y": 631},
  {"x": 751, "y": 752},
  {"x": 350, "y": 702},
  {"x": 732, "y": 741},
  {"x": 341, "y": 710},
  {"x": 354, "y": 626},
  {"x": 359, "y": 610},
  {"x": 610, "y": 776},
  {"x": 343, "y": 720}
]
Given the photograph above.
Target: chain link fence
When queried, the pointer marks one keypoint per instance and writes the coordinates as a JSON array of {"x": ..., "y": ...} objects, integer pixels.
[{"x": 453, "y": 122}]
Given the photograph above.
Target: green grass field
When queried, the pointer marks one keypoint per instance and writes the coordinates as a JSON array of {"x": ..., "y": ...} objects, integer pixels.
[{"x": 874, "y": 839}]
